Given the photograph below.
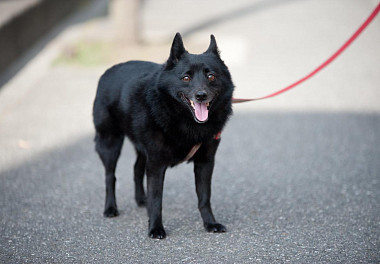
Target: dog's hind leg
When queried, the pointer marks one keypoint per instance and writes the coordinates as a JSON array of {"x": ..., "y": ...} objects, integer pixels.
[
  {"x": 108, "y": 148},
  {"x": 139, "y": 172}
]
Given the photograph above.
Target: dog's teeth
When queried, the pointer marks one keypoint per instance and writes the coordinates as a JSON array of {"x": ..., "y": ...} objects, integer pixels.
[{"x": 192, "y": 104}]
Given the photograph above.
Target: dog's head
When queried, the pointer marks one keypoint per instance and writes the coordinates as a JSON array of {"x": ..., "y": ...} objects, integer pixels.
[{"x": 200, "y": 83}]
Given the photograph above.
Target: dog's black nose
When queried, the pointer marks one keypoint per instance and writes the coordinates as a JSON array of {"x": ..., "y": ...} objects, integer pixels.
[{"x": 201, "y": 96}]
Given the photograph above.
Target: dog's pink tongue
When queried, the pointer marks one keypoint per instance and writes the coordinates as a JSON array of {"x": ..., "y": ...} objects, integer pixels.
[{"x": 201, "y": 111}]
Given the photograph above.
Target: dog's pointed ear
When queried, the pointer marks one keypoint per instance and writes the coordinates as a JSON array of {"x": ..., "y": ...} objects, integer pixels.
[
  {"x": 177, "y": 50},
  {"x": 213, "y": 48}
]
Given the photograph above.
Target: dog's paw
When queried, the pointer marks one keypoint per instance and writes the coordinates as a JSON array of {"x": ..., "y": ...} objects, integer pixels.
[
  {"x": 215, "y": 227},
  {"x": 157, "y": 232},
  {"x": 111, "y": 212}
]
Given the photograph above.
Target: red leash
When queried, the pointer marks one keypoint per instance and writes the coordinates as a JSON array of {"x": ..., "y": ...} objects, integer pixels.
[{"x": 323, "y": 65}]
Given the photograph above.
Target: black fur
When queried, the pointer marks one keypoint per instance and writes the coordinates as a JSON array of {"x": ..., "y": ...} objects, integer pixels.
[{"x": 151, "y": 104}]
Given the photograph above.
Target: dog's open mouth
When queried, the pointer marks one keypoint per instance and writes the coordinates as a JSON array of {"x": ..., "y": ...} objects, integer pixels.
[{"x": 199, "y": 110}]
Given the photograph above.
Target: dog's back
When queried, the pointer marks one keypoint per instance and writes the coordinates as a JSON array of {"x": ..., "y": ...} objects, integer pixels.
[{"x": 115, "y": 89}]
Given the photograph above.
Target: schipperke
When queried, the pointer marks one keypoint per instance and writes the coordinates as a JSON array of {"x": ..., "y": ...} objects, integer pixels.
[{"x": 165, "y": 110}]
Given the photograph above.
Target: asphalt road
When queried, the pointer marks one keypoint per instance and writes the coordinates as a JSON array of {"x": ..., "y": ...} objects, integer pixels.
[
  {"x": 298, "y": 188},
  {"x": 296, "y": 180}
]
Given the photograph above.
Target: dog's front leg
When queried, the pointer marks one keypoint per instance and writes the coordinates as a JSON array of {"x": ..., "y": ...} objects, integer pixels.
[
  {"x": 155, "y": 184},
  {"x": 203, "y": 174}
]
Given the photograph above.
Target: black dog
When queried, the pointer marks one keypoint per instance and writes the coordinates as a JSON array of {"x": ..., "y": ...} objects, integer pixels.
[{"x": 165, "y": 110}]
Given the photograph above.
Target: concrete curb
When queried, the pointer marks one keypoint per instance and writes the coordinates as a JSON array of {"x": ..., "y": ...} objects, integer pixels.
[{"x": 23, "y": 29}]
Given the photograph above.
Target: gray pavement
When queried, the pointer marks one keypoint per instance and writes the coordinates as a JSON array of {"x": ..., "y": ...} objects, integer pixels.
[{"x": 297, "y": 177}]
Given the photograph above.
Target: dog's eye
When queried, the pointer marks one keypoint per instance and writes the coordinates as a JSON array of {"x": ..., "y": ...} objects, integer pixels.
[
  {"x": 211, "y": 77},
  {"x": 186, "y": 78}
]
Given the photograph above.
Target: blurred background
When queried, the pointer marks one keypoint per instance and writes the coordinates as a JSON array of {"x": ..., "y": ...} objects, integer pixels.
[
  {"x": 52, "y": 54},
  {"x": 266, "y": 44}
]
